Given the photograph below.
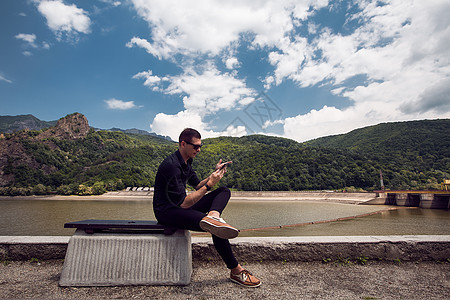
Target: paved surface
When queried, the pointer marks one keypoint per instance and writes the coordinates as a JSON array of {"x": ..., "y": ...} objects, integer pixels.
[{"x": 281, "y": 280}]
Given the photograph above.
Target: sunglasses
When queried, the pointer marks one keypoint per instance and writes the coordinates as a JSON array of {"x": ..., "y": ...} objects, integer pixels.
[{"x": 196, "y": 147}]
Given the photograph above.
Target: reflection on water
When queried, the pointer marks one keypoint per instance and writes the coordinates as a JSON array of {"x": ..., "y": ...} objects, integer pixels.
[
  {"x": 257, "y": 214},
  {"x": 47, "y": 217},
  {"x": 405, "y": 221}
]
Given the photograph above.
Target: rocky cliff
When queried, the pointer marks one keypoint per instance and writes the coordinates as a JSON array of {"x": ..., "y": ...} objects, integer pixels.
[
  {"x": 13, "y": 147},
  {"x": 71, "y": 127}
]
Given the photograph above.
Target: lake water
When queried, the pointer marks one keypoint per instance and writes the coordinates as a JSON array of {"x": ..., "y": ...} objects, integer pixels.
[{"x": 47, "y": 217}]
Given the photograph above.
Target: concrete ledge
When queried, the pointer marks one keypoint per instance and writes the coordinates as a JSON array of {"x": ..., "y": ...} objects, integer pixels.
[
  {"x": 317, "y": 248},
  {"x": 408, "y": 248},
  {"x": 27, "y": 247}
]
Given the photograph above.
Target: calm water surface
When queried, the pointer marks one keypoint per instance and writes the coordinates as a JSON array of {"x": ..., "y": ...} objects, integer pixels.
[{"x": 47, "y": 217}]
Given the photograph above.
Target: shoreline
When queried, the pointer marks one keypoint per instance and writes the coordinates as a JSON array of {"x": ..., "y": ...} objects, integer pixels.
[{"x": 334, "y": 197}]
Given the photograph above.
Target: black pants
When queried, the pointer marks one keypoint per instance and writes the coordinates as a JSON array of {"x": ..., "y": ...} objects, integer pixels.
[{"x": 189, "y": 218}]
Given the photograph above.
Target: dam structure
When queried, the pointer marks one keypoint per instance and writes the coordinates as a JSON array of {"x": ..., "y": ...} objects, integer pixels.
[{"x": 422, "y": 199}]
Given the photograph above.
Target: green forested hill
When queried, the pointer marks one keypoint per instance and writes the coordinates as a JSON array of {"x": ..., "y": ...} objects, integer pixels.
[
  {"x": 71, "y": 158},
  {"x": 102, "y": 161},
  {"x": 412, "y": 147},
  {"x": 398, "y": 136},
  {"x": 411, "y": 155},
  {"x": 351, "y": 160}
]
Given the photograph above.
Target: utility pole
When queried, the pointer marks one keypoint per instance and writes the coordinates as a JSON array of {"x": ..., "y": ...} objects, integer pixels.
[{"x": 381, "y": 181}]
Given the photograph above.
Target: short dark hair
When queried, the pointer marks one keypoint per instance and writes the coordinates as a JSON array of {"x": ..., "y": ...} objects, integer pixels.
[{"x": 187, "y": 134}]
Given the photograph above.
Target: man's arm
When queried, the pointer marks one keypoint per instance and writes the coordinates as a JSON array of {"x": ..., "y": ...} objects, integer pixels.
[
  {"x": 202, "y": 183},
  {"x": 218, "y": 166},
  {"x": 211, "y": 180}
]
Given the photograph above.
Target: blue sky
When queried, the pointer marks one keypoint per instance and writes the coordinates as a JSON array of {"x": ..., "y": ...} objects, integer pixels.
[{"x": 298, "y": 69}]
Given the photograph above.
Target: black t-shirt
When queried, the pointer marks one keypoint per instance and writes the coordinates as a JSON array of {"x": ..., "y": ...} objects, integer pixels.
[{"x": 170, "y": 182}]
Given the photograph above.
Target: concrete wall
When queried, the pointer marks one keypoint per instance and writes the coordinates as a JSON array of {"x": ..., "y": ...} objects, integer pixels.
[
  {"x": 434, "y": 200},
  {"x": 27, "y": 247},
  {"x": 408, "y": 248}
]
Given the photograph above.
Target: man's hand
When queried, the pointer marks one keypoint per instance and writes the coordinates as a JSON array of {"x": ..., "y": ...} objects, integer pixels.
[
  {"x": 215, "y": 177},
  {"x": 220, "y": 165}
]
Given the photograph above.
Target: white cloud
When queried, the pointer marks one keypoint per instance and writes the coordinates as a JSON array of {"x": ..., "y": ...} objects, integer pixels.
[
  {"x": 268, "y": 81},
  {"x": 236, "y": 131},
  {"x": 112, "y": 2},
  {"x": 172, "y": 125},
  {"x": 324, "y": 122},
  {"x": 403, "y": 50},
  {"x": 160, "y": 52},
  {"x": 150, "y": 80},
  {"x": 64, "y": 19},
  {"x": 436, "y": 98},
  {"x": 204, "y": 92},
  {"x": 28, "y": 38},
  {"x": 120, "y": 104},
  {"x": 210, "y": 91},
  {"x": 232, "y": 63},
  {"x": 209, "y": 26},
  {"x": 30, "y": 42},
  {"x": 3, "y": 78}
]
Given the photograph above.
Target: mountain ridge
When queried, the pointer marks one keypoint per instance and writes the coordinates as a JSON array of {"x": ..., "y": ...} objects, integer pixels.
[
  {"x": 10, "y": 124},
  {"x": 73, "y": 158},
  {"x": 391, "y": 133}
]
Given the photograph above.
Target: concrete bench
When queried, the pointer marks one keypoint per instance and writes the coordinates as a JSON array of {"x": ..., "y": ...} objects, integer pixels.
[{"x": 118, "y": 252}]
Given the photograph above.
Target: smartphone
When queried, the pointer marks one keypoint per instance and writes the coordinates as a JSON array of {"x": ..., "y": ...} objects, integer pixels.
[{"x": 225, "y": 164}]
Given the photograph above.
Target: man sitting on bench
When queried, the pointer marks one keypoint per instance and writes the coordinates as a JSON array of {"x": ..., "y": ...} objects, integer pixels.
[{"x": 197, "y": 211}]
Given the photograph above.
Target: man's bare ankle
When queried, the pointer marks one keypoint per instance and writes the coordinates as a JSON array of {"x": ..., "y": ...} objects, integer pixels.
[
  {"x": 237, "y": 270},
  {"x": 213, "y": 213}
]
